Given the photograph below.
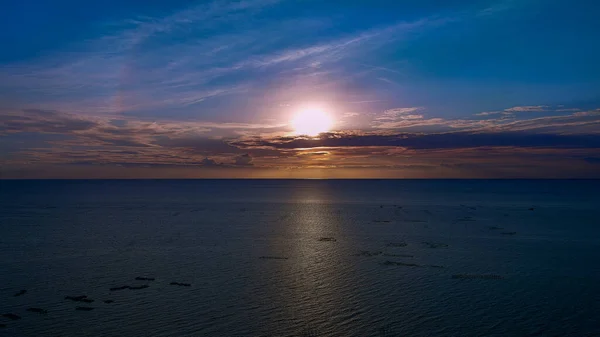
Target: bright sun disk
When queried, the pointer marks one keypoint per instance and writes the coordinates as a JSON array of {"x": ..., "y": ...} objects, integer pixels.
[{"x": 311, "y": 122}]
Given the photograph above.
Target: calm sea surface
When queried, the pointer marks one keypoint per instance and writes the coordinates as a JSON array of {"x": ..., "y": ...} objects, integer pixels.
[{"x": 301, "y": 257}]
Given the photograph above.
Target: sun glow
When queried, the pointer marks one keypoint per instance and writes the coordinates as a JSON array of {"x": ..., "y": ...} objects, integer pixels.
[{"x": 311, "y": 122}]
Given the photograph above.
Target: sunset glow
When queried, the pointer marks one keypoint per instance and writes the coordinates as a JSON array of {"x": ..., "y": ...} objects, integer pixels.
[{"x": 311, "y": 122}]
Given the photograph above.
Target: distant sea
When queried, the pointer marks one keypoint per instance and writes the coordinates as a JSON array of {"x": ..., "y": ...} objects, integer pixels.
[{"x": 300, "y": 258}]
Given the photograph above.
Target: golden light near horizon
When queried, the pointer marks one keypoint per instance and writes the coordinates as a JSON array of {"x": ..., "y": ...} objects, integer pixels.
[{"x": 311, "y": 121}]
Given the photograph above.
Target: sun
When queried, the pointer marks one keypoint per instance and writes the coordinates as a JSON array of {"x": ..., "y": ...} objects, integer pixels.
[{"x": 311, "y": 122}]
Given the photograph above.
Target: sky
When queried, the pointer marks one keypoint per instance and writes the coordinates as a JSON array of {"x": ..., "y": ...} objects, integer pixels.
[{"x": 210, "y": 89}]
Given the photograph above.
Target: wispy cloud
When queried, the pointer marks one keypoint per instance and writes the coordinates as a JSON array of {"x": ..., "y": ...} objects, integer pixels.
[
  {"x": 350, "y": 114},
  {"x": 524, "y": 108},
  {"x": 490, "y": 113},
  {"x": 528, "y": 108},
  {"x": 136, "y": 68},
  {"x": 392, "y": 114},
  {"x": 365, "y": 101},
  {"x": 594, "y": 112},
  {"x": 498, "y": 7},
  {"x": 402, "y": 117}
]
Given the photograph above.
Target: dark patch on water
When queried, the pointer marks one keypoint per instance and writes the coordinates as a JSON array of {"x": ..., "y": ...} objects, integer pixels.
[
  {"x": 273, "y": 258},
  {"x": 84, "y": 308},
  {"x": 20, "y": 293},
  {"x": 37, "y": 310}
]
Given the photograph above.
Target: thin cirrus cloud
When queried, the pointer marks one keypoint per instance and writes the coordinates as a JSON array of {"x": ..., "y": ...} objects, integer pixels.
[
  {"x": 134, "y": 69},
  {"x": 519, "y": 109}
]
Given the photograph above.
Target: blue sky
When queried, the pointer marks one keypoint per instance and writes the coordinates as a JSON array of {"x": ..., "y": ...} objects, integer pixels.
[{"x": 455, "y": 88}]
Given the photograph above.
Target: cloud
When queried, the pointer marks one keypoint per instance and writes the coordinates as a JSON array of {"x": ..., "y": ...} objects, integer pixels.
[
  {"x": 491, "y": 113},
  {"x": 46, "y": 121},
  {"x": 199, "y": 54},
  {"x": 209, "y": 138},
  {"x": 497, "y": 7},
  {"x": 350, "y": 114},
  {"x": 411, "y": 117},
  {"x": 397, "y": 118},
  {"x": 366, "y": 101},
  {"x": 486, "y": 148},
  {"x": 528, "y": 108},
  {"x": 243, "y": 160},
  {"x": 126, "y": 70},
  {"x": 199, "y": 145},
  {"x": 410, "y": 123},
  {"x": 519, "y": 109},
  {"x": 49, "y": 121},
  {"x": 207, "y": 162},
  {"x": 387, "y": 80},
  {"x": 391, "y": 113},
  {"x": 595, "y": 112},
  {"x": 586, "y": 122},
  {"x": 429, "y": 141}
]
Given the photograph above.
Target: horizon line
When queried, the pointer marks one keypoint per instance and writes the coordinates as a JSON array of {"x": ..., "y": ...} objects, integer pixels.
[{"x": 142, "y": 179}]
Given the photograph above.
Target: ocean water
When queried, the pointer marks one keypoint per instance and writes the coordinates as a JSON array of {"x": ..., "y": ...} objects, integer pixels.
[{"x": 301, "y": 257}]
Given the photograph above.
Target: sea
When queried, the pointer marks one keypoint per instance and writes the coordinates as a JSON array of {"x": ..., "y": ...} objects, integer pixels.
[{"x": 299, "y": 258}]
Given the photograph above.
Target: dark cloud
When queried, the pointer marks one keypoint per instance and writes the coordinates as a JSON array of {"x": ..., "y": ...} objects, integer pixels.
[
  {"x": 206, "y": 146},
  {"x": 396, "y": 167},
  {"x": 207, "y": 162},
  {"x": 430, "y": 141},
  {"x": 45, "y": 121},
  {"x": 243, "y": 160},
  {"x": 121, "y": 141},
  {"x": 592, "y": 160},
  {"x": 118, "y": 122}
]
